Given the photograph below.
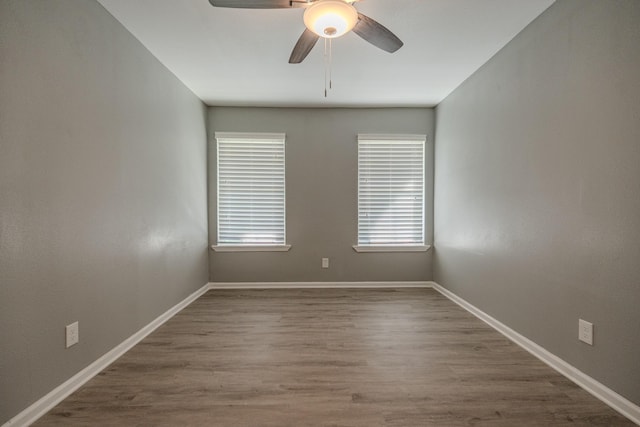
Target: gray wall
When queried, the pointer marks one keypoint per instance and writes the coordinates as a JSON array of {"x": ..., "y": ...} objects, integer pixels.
[
  {"x": 102, "y": 191},
  {"x": 537, "y": 187},
  {"x": 322, "y": 188}
]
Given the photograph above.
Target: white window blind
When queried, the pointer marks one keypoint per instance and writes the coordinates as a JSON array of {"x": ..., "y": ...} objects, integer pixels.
[
  {"x": 251, "y": 189},
  {"x": 391, "y": 190}
]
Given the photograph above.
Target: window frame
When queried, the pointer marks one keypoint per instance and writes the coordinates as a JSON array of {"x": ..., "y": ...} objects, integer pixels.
[
  {"x": 252, "y": 246},
  {"x": 410, "y": 247}
]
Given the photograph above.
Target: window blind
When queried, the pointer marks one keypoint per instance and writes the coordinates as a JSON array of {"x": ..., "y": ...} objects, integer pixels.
[
  {"x": 251, "y": 189},
  {"x": 390, "y": 190}
]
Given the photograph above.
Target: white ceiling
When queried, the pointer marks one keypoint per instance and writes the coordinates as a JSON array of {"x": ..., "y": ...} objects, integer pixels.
[{"x": 239, "y": 57}]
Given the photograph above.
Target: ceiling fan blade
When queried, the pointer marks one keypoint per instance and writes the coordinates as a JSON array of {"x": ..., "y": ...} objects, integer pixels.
[
  {"x": 252, "y": 4},
  {"x": 376, "y": 34},
  {"x": 305, "y": 43}
]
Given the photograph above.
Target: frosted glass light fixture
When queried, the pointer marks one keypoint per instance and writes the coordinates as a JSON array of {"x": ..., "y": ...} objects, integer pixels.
[{"x": 330, "y": 18}]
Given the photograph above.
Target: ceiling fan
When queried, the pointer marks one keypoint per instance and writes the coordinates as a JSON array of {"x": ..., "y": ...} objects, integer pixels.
[{"x": 324, "y": 18}]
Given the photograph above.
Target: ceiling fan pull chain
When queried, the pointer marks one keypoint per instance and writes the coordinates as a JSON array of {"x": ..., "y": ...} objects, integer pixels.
[
  {"x": 325, "y": 67},
  {"x": 330, "y": 63}
]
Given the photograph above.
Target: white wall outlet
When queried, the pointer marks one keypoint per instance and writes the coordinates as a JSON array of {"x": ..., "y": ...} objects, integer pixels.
[
  {"x": 325, "y": 262},
  {"x": 585, "y": 331},
  {"x": 72, "y": 334}
]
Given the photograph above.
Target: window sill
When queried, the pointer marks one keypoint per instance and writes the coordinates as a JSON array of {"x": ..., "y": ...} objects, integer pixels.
[
  {"x": 248, "y": 248},
  {"x": 415, "y": 248}
]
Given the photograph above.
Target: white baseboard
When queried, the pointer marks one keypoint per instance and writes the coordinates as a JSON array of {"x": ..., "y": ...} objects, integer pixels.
[
  {"x": 597, "y": 389},
  {"x": 51, "y": 399},
  {"x": 316, "y": 285}
]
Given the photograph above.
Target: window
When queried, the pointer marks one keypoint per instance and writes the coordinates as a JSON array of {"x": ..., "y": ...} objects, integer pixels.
[
  {"x": 251, "y": 192},
  {"x": 391, "y": 193}
]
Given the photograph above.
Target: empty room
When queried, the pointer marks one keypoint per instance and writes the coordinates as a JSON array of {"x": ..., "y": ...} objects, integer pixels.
[{"x": 319, "y": 212}]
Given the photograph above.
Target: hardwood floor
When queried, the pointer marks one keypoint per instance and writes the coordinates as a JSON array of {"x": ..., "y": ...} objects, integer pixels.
[{"x": 328, "y": 357}]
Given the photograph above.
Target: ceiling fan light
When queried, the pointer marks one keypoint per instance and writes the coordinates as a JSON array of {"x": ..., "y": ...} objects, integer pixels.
[{"x": 330, "y": 18}]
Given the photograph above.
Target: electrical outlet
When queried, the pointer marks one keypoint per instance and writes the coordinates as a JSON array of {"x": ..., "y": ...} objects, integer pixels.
[
  {"x": 325, "y": 262},
  {"x": 585, "y": 331},
  {"x": 72, "y": 334}
]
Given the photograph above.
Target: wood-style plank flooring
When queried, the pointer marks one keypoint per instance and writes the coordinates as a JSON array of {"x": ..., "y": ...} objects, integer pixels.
[{"x": 328, "y": 357}]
